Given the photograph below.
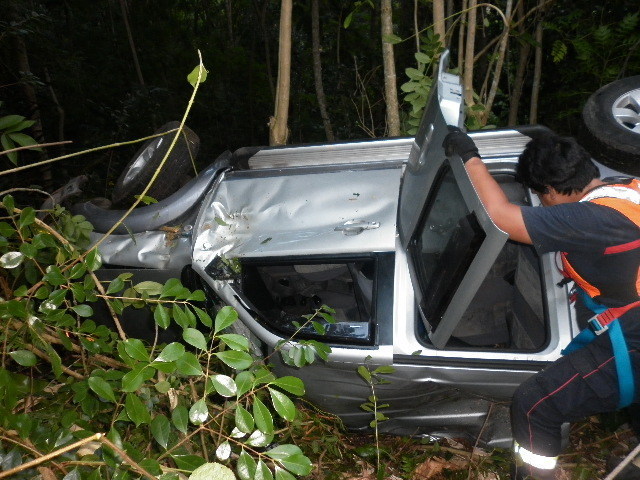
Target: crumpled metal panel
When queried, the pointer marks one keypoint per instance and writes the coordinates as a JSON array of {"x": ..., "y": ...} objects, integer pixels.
[
  {"x": 252, "y": 215},
  {"x": 154, "y": 249}
]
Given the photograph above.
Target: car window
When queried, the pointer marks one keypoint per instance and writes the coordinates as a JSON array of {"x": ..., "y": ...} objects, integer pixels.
[
  {"x": 448, "y": 239},
  {"x": 283, "y": 294}
]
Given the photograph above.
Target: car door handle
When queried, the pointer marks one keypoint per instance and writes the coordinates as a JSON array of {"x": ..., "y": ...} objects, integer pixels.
[{"x": 356, "y": 227}]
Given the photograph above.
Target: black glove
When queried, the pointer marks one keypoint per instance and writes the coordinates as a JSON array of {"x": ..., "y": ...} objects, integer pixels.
[{"x": 459, "y": 142}]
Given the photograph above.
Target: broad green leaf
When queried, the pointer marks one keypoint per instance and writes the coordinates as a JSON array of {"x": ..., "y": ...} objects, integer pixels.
[
  {"x": 136, "y": 349},
  {"x": 246, "y": 466},
  {"x": 160, "y": 429},
  {"x": 11, "y": 260},
  {"x": 7, "y": 144},
  {"x": 102, "y": 388},
  {"x": 290, "y": 384},
  {"x": 298, "y": 464},
  {"x": 171, "y": 353},
  {"x": 82, "y": 310},
  {"x": 197, "y": 296},
  {"x": 195, "y": 338},
  {"x": 365, "y": 374},
  {"x": 24, "y": 140},
  {"x": 78, "y": 270},
  {"x": 161, "y": 316},
  {"x": 93, "y": 260},
  {"x": 171, "y": 288},
  {"x": 282, "y": 474},
  {"x": 234, "y": 359},
  {"x": 146, "y": 199},
  {"x": 235, "y": 341},
  {"x": 199, "y": 413},
  {"x": 9, "y": 121},
  {"x": 283, "y": 404},
  {"x": 188, "y": 364},
  {"x": 28, "y": 250},
  {"x": 283, "y": 451},
  {"x": 188, "y": 462},
  {"x": 24, "y": 358},
  {"x": 263, "y": 472},
  {"x": 244, "y": 382},
  {"x": 262, "y": 416},
  {"x": 203, "y": 316},
  {"x": 136, "y": 410},
  {"x": 259, "y": 439},
  {"x": 422, "y": 57},
  {"x": 180, "y": 316},
  {"x": 180, "y": 418},
  {"x": 225, "y": 317},
  {"x": 225, "y": 385},
  {"x": 244, "y": 419},
  {"x": 391, "y": 38},
  {"x": 54, "y": 276},
  {"x": 212, "y": 471},
  {"x": 198, "y": 72},
  {"x": 163, "y": 386},
  {"x": 115, "y": 285},
  {"x": 136, "y": 377},
  {"x": 148, "y": 287}
]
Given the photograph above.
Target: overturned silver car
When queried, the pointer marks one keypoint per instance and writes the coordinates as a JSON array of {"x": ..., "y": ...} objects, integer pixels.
[{"x": 392, "y": 236}]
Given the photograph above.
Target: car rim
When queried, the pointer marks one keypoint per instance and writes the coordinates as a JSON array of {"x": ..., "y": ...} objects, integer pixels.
[{"x": 626, "y": 110}]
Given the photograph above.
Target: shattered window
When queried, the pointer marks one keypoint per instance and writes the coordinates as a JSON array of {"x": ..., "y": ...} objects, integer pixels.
[{"x": 283, "y": 294}]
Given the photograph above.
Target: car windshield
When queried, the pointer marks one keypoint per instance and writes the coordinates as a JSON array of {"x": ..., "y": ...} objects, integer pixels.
[{"x": 446, "y": 243}]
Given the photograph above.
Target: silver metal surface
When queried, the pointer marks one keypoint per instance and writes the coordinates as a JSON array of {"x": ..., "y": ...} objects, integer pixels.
[{"x": 626, "y": 110}]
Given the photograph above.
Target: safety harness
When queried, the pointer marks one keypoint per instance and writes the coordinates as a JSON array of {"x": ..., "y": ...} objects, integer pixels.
[{"x": 625, "y": 198}]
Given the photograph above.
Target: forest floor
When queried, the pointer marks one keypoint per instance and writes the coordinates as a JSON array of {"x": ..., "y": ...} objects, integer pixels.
[{"x": 338, "y": 455}]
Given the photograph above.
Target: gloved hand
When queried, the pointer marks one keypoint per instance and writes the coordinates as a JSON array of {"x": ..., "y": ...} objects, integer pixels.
[{"x": 459, "y": 142}]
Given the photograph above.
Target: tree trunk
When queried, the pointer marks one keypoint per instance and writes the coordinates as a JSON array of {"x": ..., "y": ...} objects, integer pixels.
[
  {"x": 416, "y": 29},
  {"x": 469, "y": 54},
  {"x": 438, "y": 20},
  {"x": 317, "y": 69},
  {"x": 537, "y": 72},
  {"x": 262, "y": 14},
  {"x": 132, "y": 45},
  {"x": 278, "y": 130},
  {"x": 523, "y": 60},
  {"x": 461, "y": 32},
  {"x": 390, "y": 88}
]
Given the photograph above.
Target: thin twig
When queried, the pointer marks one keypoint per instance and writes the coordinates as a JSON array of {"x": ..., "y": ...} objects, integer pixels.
[
  {"x": 32, "y": 147},
  {"x": 54, "y": 454},
  {"x": 126, "y": 457},
  {"x": 627, "y": 460}
]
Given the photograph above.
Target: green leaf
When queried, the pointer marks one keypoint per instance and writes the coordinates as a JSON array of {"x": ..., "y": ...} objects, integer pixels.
[
  {"x": 224, "y": 385},
  {"x": 225, "y": 317},
  {"x": 235, "y": 341},
  {"x": 391, "y": 38},
  {"x": 422, "y": 57},
  {"x": 298, "y": 464},
  {"x": 188, "y": 364},
  {"x": 11, "y": 260},
  {"x": 246, "y": 466},
  {"x": 24, "y": 358},
  {"x": 283, "y": 451},
  {"x": 292, "y": 385},
  {"x": 365, "y": 374},
  {"x": 197, "y": 296},
  {"x": 203, "y": 316},
  {"x": 199, "y": 71},
  {"x": 195, "y": 338},
  {"x": 93, "y": 260},
  {"x": 171, "y": 288},
  {"x": 188, "y": 462},
  {"x": 101, "y": 387},
  {"x": 7, "y": 144},
  {"x": 82, "y": 310},
  {"x": 133, "y": 380},
  {"x": 283, "y": 404},
  {"x": 212, "y": 471},
  {"x": 24, "y": 140},
  {"x": 199, "y": 413},
  {"x": 136, "y": 349},
  {"x": 9, "y": 121},
  {"x": 171, "y": 353},
  {"x": 347, "y": 20},
  {"x": 244, "y": 382},
  {"x": 160, "y": 429},
  {"x": 244, "y": 419},
  {"x": 115, "y": 285},
  {"x": 136, "y": 410},
  {"x": 54, "y": 276},
  {"x": 148, "y": 287},
  {"x": 282, "y": 474},
  {"x": 146, "y": 199},
  {"x": 263, "y": 472},
  {"x": 262, "y": 416},
  {"x": 161, "y": 316},
  {"x": 28, "y": 250},
  {"x": 180, "y": 418},
  {"x": 77, "y": 271},
  {"x": 235, "y": 359}
]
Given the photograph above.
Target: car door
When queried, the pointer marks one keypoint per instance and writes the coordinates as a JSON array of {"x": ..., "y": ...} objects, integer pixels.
[{"x": 449, "y": 239}]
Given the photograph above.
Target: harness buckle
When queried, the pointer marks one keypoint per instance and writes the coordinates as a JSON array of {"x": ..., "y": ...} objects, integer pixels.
[{"x": 596, "y": 327}]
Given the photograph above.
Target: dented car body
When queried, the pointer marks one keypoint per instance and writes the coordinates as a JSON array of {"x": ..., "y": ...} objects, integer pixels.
[{"x": 391, "y": 235}]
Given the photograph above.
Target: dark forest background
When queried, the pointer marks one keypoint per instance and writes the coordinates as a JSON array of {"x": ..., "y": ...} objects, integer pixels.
[{"x": 71, "y": 64}]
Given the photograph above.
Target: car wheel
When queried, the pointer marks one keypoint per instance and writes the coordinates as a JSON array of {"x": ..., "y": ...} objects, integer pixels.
[
  {"x": 136, "y": 175},
  {"x": 612, "y": 120}
]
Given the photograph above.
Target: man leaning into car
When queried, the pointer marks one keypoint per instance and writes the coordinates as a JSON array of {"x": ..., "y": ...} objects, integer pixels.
[{"x": 595, "y": 224}]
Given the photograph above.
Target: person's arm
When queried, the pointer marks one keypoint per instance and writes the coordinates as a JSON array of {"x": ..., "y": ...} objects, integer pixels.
[{"x": 506, "y": 215}]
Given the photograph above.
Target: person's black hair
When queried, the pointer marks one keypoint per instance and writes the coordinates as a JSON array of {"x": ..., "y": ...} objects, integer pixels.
[{"x": 558, "y": 162}]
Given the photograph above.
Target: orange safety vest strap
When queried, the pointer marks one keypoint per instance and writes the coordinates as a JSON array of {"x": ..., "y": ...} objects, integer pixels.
[
  {"x": 568, "y": 271},
  {"x": 626, "y": 208}
]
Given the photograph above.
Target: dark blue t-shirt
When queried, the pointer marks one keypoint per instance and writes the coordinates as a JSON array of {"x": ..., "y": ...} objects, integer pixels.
[{"x": 584, "y": 230}]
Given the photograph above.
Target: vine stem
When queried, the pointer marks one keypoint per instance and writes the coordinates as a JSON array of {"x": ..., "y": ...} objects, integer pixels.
[{"x": 32, "y": 147}]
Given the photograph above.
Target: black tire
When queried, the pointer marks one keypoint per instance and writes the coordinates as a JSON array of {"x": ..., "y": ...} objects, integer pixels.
[
  {"x": 136, "y": 175},
  {"x": 611, "y": 138}
]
